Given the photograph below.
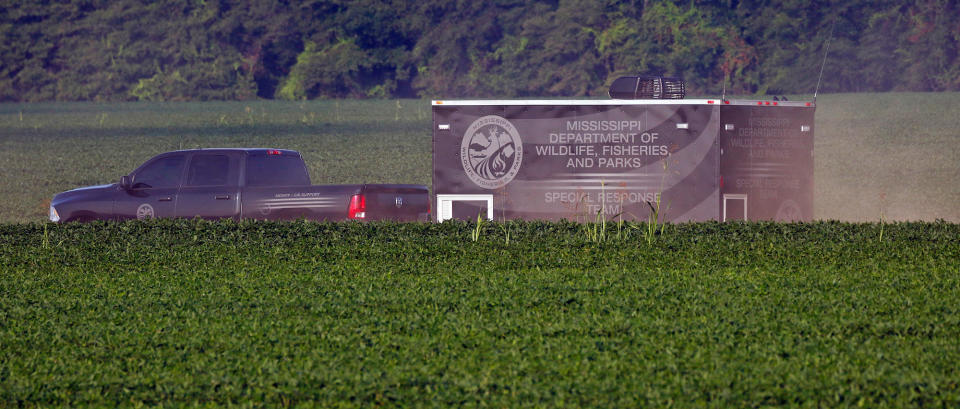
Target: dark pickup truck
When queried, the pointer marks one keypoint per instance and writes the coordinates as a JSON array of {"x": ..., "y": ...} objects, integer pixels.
[{"x": 237, "y": 184}]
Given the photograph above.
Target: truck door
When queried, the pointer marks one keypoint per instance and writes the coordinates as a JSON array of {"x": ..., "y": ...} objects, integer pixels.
[
  {"x": 153, "y": 191},
  {"x": 210, "y": 187}
]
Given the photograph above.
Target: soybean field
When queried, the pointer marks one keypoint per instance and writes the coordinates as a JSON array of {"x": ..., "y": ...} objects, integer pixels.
[{"x": 302, "y": 314}]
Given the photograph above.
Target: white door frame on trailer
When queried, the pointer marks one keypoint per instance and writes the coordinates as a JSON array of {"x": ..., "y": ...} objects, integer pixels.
[
  {"x": 733, "y": 196},
  {"x": 445, "y": 204}
]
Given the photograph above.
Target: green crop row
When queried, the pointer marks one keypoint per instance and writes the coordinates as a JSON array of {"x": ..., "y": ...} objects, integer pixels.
[{"x": 302, "y": 314}]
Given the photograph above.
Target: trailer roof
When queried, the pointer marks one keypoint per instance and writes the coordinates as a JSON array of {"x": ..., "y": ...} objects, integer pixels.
[{"x": 622, "y": 102}]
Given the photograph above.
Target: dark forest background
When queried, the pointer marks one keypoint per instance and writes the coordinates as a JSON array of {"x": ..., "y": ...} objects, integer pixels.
[{"x": 117, "y": 50}]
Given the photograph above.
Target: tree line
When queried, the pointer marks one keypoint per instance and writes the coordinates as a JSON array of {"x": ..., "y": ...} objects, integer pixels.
[{"x": 169, "y": 50}]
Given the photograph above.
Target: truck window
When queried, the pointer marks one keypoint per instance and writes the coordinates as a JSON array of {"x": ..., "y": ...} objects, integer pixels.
[
  {"x": 276, "y": 170},
  {"x": 208, "y": 170},
  {"x": 163, "y": 172}
]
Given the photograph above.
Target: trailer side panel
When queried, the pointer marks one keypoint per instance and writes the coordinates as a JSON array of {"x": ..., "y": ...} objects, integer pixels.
[{"x": 570, "y": 161}]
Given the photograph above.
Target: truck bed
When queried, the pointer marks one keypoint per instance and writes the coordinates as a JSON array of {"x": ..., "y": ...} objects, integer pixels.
[{"x": 332, "y": 202}]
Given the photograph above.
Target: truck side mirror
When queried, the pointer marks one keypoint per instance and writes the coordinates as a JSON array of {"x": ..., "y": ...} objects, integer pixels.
[{"x": 125, "y": 182}]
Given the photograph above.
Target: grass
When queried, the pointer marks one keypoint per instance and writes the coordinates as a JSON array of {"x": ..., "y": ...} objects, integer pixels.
[
  {"x": 192, "y": 313},
  {"x": 901, "y": 146}
]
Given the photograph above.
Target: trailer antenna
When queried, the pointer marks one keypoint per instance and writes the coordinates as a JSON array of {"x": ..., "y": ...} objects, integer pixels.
[
  {"x": 824, "y": 63},
  {"x": 723, "y": 92}
]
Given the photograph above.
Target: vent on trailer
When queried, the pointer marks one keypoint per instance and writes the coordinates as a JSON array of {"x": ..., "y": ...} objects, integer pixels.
[{"x": 647, "y": 87}]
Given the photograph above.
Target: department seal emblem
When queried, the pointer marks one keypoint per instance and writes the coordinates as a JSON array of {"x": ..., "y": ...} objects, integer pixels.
[
  {"x": 789, "y": 211},
  {"x": 491, "y": 152},
  {"x": 264, "y": 208},
  {"x": 145, "y": 211}
]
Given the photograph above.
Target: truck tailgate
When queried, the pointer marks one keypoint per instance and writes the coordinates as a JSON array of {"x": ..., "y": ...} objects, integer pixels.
[{"x": 397, "y": 202}]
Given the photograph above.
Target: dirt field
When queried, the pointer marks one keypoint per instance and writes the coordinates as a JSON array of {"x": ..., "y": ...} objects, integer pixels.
[{"x": 895, "y": 156}]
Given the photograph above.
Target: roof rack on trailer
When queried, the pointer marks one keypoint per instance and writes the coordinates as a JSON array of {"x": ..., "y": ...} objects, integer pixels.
[{"x": 647, "y": 87}]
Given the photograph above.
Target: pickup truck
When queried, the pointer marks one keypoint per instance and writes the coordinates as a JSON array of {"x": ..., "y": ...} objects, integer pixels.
[{"x": 269, "y": 184}]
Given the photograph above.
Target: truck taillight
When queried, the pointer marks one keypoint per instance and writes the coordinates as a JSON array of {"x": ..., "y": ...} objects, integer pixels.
[
  {"x": 273, "y": 152},
  {"x": 358, "y": 207}
]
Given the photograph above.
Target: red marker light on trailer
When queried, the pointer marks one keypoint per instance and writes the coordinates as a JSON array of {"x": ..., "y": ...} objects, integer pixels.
[
  {"x": 273, "y": 152},
  {"x": 710, "y": 101},
  {"x": 808, "y": 104},
  {"x": 726, "y": 102},
  {"x": 759, "y": 102},
  {"x": 768, "y": 102},
  {"x": 358, "y": 207},
  {"x": 774, "y": 102}
]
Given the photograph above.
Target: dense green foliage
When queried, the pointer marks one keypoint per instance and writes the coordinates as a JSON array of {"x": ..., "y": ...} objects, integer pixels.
[
  {"x": 891, "y": 156},
  {"x": 168, "y": 50},
  {"x": 305, "y": 314}
]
